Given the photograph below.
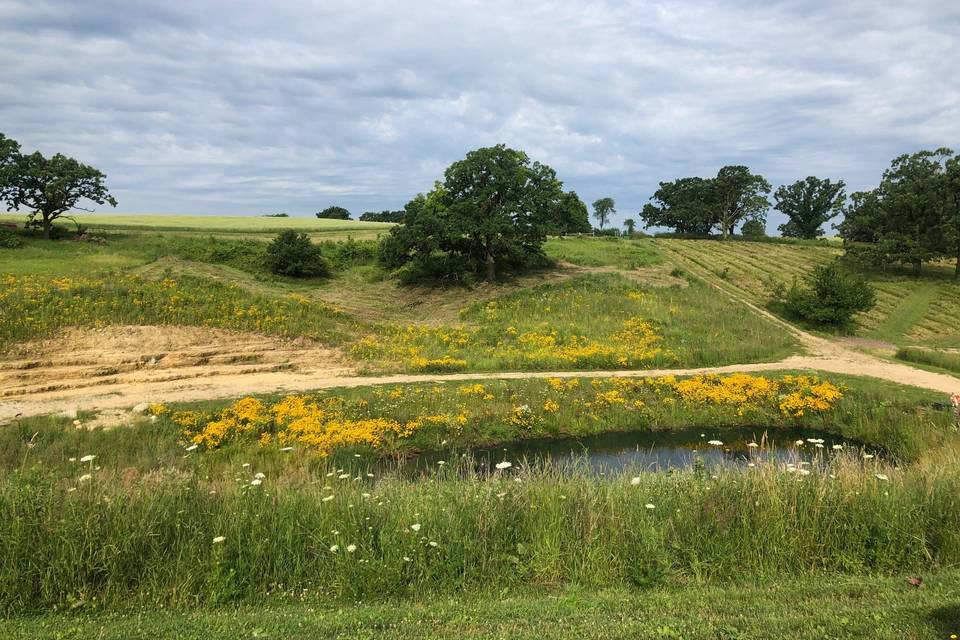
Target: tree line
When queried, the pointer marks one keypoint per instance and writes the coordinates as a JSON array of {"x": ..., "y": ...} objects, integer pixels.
[
  {"x": 912, "y": 217},
  {"x": 494, "y": 209}
]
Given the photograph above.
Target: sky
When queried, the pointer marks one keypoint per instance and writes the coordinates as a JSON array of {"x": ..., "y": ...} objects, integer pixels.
[{"x": 231, "y": 107}]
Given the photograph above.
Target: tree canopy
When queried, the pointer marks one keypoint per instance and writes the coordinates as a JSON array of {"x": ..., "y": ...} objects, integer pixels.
[
  {"x": 494, "y": 207},
  {"x": 48, "y": 187},
  {"x": 808, "y": 204},
  {"x": 335, "y": 213},
  {"x": 382, "y": 216},
  {"x": 603, "y": 209},
  {"x": 911, "y": 217},
  {"x": 571, "y": 216},
  {"x": 698, "y": 205}
]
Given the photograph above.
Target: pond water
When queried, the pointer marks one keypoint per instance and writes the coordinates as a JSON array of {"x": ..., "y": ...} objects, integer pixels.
[{"x": 653, "y": 451}]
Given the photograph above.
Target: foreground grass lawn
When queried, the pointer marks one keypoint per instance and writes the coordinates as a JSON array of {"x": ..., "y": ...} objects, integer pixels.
[{"x": 810, "y": 607}]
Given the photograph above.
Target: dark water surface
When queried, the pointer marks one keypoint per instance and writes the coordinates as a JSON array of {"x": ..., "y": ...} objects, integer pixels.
[{"x": 652, "y": 450}]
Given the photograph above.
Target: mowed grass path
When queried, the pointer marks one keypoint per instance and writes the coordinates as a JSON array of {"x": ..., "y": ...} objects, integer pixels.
[
  {"x": 909, "y": 310},
  {"x": 880, "y": 608}
]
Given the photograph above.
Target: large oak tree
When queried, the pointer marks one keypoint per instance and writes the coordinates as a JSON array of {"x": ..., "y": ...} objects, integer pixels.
[
  {"x": 808, "y": 205},
  {"x": 494, "y": 206},
  {"x": 49, "y": 187}
]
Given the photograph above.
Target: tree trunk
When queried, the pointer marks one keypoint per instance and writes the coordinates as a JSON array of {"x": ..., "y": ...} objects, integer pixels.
[
  {"x": 491, "y": 267},
  {"x": 46, "y": 227},
  {"x": 956, "y": 271}
]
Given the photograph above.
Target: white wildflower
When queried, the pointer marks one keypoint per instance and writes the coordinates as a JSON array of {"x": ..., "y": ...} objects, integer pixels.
[
  {"x": 192, "y": 447},
  {"x": 650, "y": 505},
  {"x": 635, "y": 480},
  {"x": 504, "y": 465},
  {"x": 882, "y": 476},
  {"x": 88, "y": 458},
  {"x": 84, "y": 477},
  {"x": 334, "y": 548},
  {"x": 415, "y": 527},
  {"x": 716, "y": 443},
  {"x": 219, "y": 539},
  {"x": 351, "y": 548}
]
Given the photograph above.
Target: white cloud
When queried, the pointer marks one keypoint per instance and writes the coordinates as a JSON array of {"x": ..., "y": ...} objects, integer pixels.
[{"x": 214, "y": 106}]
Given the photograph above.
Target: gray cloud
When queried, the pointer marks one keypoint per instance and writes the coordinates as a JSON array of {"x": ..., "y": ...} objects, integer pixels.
[{"x": 212, "y": 106}]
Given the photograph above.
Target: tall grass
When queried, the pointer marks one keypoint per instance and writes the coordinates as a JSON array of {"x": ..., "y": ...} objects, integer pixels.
[
  {"x": 942, "y": 359},
  {"x": 154, "y": 536},
  {"x": 36, "y": 306},
  {"x": 531, "y": 329}
]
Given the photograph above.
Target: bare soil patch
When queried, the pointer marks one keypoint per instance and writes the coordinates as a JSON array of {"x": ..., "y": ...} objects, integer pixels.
[{"x": 77, "y": 364}]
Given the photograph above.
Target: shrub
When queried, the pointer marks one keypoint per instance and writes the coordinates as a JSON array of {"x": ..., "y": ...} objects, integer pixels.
[
  {"x": 292, "y": 254},
  {"x": 9, "y": 239},
  {"x": 753, "y": 229},
  {"x": 829, "y": 296}
]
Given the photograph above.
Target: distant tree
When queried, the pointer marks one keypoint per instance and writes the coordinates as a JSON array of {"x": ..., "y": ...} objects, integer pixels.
[
  {"x": 50, "y": 187},
  {"x": 907, "y": 219},
  {"x": 336, "y": 213},
  {"x": 9, "y": 154},
  {"x": 629, "y": 224},
  {"x": 739, "y": 196},
  {"x": 830, "y": 296},
  {"x": 861, "y": 217},
  {"x": 275, "y": 215},
  {"x": 808, "y": 204},
  {"x": 493, "y": 207},
  {"x": 753, "y": 230},
  {"x": 292, "y": 254},
  {"x": 686, "y": 205},
  {"x": 382, "y": 216},
  {"x": 951, "y": 226},
  {"x": 571, "y": 215},
  {"x": 603, "y": 209}
]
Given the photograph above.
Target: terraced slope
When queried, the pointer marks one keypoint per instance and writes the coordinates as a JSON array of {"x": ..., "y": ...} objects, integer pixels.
[{"x": 909, "y": 310}]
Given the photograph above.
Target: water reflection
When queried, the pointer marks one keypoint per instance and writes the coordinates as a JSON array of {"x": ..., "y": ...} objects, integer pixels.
[{"x": 654, "y": 451}]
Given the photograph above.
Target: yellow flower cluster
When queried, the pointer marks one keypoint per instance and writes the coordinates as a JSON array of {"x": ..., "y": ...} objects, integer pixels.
[
  {"x": 446, "y": 363},
  {"x": 320, "y": 425},
  {"x": 791, "y": 395}
]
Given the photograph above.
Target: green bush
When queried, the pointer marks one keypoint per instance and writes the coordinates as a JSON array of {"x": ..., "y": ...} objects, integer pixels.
[
  {"x": 753, "y": 229},
  {"x": 9, "y": 239},
  {"x": 292, "y": 254},
  {"x": 829, "y": 296}
]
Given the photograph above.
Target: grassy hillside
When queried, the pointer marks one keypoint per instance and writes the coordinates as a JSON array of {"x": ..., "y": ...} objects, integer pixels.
[
  {"x": 910, "y": 310},
  {"x": 617, "y": 308}
]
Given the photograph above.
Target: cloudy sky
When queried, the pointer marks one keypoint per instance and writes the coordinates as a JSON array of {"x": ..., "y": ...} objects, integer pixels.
[{"x": 230, "y": 107}]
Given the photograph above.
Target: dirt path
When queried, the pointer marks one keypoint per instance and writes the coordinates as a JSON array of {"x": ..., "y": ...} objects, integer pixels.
[{"x": 116, "y": 368}]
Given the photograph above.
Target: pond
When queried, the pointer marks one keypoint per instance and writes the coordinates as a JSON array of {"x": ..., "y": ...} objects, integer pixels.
[{"x": 653, "y": 450}]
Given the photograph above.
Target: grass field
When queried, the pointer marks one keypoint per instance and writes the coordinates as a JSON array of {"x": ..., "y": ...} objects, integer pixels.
[
  {"x": 908, "y": 311},
  {"x": 593, "y": 252},
  {"x": 823, "y": 606},
  {"x": 138, "y": 525},
  {"x": 574, "y": 321},
  {"x": 271, "y": 515}
]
